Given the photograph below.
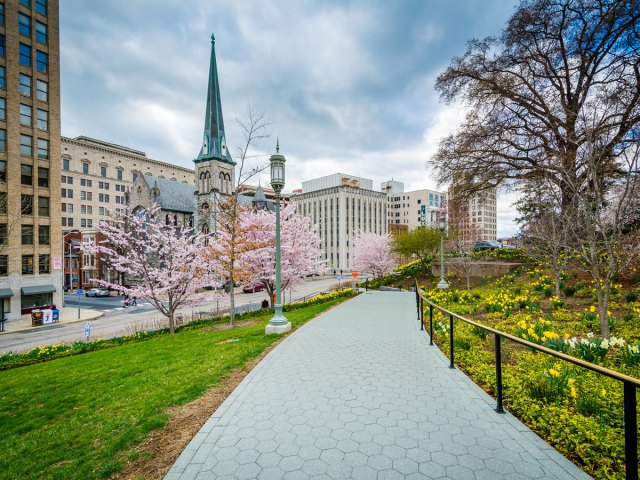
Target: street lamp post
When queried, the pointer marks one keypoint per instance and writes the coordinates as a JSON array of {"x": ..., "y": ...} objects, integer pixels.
[
  {"x": 64, "y": 235},
  {"x": 442, "y": 283},
  {"x": 278, "y": 324}
]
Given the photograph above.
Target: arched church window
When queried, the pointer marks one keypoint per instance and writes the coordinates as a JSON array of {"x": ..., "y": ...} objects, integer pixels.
[
  {"x": 205, "y": 233},
  {"x": 222, "y": 182},
  {"x": 191, "y": 221},
  {"x": 207, "y": 181},
  {"x": 167, "y": 219},
  {"x": 175, "y": 220}
]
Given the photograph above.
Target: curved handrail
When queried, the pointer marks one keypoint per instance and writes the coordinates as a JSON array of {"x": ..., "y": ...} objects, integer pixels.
[{"x": 630, "y": 383}]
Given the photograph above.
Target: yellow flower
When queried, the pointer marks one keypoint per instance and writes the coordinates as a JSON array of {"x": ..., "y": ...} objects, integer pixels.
[
  {"x": 571, "y": 381},
  {"x": 592, "y": 309},
  {"x": 603, "y": 392},
  {"x": 573, "y": 391},
  {"x": 554, "y": 373}
]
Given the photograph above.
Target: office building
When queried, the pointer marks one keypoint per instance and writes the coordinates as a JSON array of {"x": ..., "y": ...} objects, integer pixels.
[
  {"x": 341, "y": 205},
  {"x": 409, "y": 210},
  {"x": 30, "y": 233}
]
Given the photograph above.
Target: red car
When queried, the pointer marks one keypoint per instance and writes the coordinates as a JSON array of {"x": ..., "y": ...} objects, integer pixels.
[{"x": 253, "y": 287}]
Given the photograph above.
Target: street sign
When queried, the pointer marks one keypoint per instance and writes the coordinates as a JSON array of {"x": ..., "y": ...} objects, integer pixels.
[
  {"x": 339, "y": 277},
  {"x": 87, "y": 330},
  {"x": 80, "y": 292},
  {"x": 57, "y": 263}
]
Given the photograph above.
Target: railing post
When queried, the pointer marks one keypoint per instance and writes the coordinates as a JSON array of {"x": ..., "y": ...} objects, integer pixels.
[
  {"x": 451, "y": 365},
  {"x": 430, "y": 324},
  {"x": 499, "y": 408},
  {"x": 630, "y": 432},
  {"x": 421, "y": 314}
]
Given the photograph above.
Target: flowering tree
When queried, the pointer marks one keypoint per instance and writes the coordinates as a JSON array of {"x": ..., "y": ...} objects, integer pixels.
[
  {"x": 165, "y": 262},
  {"x": 372, "y": 253},
  {"x": 299, "y": 247}
]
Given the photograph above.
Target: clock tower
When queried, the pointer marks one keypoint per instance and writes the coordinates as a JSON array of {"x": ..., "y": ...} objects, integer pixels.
[{"x": 215, "y": 170}]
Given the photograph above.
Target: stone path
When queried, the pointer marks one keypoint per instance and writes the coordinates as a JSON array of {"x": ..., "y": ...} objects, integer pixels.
[{"x": 358, "y": 393}]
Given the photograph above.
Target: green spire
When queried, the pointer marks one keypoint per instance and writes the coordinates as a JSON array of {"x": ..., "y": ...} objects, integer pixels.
[{"x": 214, "y": 142}]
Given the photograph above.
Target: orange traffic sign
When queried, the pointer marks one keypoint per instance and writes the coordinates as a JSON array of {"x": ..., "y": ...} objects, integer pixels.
[{"x": 354, "y": 274}]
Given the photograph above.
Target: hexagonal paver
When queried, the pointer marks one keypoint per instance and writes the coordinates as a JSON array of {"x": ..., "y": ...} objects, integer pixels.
[{"x": 289, "y": 464}]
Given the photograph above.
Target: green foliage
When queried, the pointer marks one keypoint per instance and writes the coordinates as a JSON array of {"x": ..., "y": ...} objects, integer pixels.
[
  {"x": 631, "y": 297},
  {"x": 423, "y": 242}
]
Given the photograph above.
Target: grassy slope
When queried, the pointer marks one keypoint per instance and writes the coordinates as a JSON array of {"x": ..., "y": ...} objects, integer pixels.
[{"x": 73, "y": 418}]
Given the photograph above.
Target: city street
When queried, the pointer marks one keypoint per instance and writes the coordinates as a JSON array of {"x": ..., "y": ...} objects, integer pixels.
[{"x": 121, "y": 321}]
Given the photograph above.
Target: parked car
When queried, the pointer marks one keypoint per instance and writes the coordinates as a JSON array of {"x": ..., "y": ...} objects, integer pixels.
[
  {"x": 479, "y": 246},
  {"x": 66, "y": 288},
  {"x": 253, "y": 287},
  {"x": 97, "y": 292}
]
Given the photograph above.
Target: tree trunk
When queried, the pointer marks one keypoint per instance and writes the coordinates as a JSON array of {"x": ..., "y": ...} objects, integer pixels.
[
  {"x": 172, "y": 325},
  {"x": 557, "y": 287},
  {"x": 232, "y": 305}
]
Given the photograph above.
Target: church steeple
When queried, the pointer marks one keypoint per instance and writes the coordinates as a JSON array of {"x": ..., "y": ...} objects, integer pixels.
[{"x": 214, "y": 142}]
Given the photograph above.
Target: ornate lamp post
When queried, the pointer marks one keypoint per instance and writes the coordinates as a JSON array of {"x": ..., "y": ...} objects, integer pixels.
[
  {"x": 278, "y": 324},
  {"x": 443, "y": 225}
]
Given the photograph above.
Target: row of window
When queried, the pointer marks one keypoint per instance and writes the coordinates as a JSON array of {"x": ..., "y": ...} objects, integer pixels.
[
  {"x": 84, "y": 222},
  {"x": 40, "y": 6},
  {"x": 26, "y": 175},
  {"x": 66, "y": 166},
  {"x": 26, "y": 115},
  {"x": 24, "y": 28},
  {"x": 44, "y": 264},
  {"x": 25, "y": 84},
  {"x": 86, "y": 209},
  {"x": 27, "y": 205}
]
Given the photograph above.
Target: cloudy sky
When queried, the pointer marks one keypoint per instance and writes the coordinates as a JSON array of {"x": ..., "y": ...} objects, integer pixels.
[{"x": 348, "y": 86}]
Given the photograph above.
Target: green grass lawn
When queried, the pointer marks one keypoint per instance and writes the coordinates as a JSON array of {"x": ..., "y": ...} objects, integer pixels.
[{"x": 78, "y": 417}]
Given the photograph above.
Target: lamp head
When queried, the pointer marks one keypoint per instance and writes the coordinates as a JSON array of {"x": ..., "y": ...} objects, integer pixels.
[
  {"x": 443, "y": 223},
  {"x": 277, "y": 162}
]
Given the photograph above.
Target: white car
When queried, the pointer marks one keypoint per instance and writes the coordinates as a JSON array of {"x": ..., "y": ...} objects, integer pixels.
[{"x": 97, "y": 292}]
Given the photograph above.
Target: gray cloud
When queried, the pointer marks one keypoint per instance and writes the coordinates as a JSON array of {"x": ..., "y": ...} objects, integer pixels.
[{"x": 348, "y": 85}]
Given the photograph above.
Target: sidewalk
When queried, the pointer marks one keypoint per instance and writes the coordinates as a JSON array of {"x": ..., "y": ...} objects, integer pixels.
[
  {"x": 358, "y": 393},
  {"x": 67, "y": 315}
]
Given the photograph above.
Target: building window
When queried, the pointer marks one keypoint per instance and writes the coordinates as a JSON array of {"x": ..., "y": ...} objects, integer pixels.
[
  {"x": 4, "y": 265},
  {"x": 25, "y": 55},
  {"x": 43, "y": 177},
  {"x": 26, "y": 174},
  {"x": 42, "y": 90},
  {"x": 25, "y": 85},
  {"x": 26, "y": 204},
  {"x": 26, "y": 3},
  {"x": 2, "y": 46},
  {"x": 3, "y": 108},
  {"x": 27, "y": 234},
  {"x": 27, "y": 264},
  {"x": 3, "y": 171},
  {"x": 103, "y": 171},
  {"x": 43, "y": 148},
  {"x": 3, "y": 140},
  {"x": 42, "y": 61},
  {"x": 70, "y": 222},
  {"x": 26, "y": 145},
  {"x": 43, "y": 206},
  {"x": 2, "y": 77},
  {"x": 42, "y": 119},
  {"x": 85, "y": 168},
  {"x": 24, "y": 24},
  {"x": 1, "y": 13},
  {"x": 43, "y": 235},
  {"x": 44, "y": 263},
  {"x": 119, "y": 174},
  {"x": 41, "y": 33},
  {"x": 25, "y": 115},
  {"x": 69, "y": 207},
  {"x": 3, "y": 233},
  {"x": 41, "y": 7},
  {"x": 65, "y": 164}
]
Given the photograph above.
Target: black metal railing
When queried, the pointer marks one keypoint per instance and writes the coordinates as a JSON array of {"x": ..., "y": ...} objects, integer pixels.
[{"x": 630, "y": 383}]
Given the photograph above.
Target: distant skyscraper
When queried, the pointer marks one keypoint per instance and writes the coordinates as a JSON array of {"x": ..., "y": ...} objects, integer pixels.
[
  {"x": 30, "y": 231},
  {"x": 215, "y": 169}
]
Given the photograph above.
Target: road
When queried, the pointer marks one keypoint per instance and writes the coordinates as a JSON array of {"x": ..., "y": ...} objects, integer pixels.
[{"x": 121, "y": 321}]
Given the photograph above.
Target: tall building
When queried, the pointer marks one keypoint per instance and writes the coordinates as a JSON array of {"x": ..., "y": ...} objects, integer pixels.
[
  {"x": 409, "y": 210},
  {"x": 341, "y": 205},
  {"x": 30, "y": 233},
  {"x": 215, "y": 169},
  {"x": 474, "y": 215},
  {"x": 96, "y": 177}
]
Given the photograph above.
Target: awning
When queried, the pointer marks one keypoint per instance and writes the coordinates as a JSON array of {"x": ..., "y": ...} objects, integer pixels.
[
  {"x": 37, "y": 290},
  {"x": 6, "y": 292}
]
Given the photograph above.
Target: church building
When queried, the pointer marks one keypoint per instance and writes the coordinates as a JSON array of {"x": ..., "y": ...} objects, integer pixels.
[{"x": 215, "y": 169}]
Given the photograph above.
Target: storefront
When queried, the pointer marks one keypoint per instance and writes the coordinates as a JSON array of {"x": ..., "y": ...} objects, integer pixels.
[
  {"x": 5, "y": 302},
  {"x": 40, "y": 296}
]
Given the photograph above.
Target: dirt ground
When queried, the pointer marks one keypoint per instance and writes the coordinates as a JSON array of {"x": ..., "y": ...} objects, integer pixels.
[{"x": 162, "y": 447}]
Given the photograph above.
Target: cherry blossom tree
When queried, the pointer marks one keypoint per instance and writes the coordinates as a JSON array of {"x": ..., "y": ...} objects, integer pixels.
[
  {"x": 299, "y": 246},
  {"x": 164, "y": 264},
  {"x": 373, "y": 253}
]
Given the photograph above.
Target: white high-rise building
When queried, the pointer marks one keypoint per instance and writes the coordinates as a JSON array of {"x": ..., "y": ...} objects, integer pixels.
[
  {"x": 341, "y": 205},
  {"x": 409, "y": 210}
]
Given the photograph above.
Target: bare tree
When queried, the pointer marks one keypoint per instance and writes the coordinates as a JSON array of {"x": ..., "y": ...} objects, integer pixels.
[
  {"x": 547, "y": 228},
  {"x": 529, "y": 91},
  {"x": 10, "y": 227}
]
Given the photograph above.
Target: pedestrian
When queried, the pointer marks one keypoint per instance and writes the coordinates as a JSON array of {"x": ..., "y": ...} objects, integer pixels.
[{"x": 134, "y": 301}]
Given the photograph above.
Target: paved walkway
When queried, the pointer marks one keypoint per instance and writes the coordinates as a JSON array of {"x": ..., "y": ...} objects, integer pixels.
[{"x": 358, "y": 393}]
